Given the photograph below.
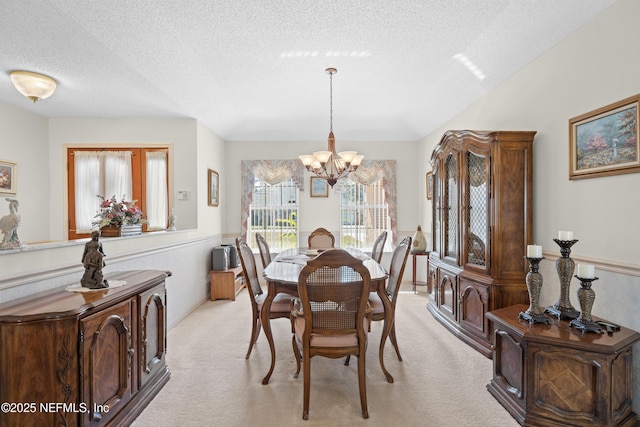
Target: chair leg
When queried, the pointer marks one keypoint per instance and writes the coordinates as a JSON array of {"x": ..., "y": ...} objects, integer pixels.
[
  {"x": 296, "y": 353},
  {"x": 255, "y": 331},
  {"x": 307, "y": 385},
  {"x": 394, "y": 341},
  {"x": 362, "y": 382},
  {"x": 346, "y": 361}
]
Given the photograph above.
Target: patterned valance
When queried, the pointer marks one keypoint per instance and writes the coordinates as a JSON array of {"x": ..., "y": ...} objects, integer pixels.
[{"x": 269, "y": 171}]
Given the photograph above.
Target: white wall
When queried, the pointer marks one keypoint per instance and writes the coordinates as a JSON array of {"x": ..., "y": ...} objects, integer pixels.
[
  {"x": 211, "y": 155},
  {"x": 24, "y": 141},
  {"x": 324, "y": 212},
  {"x": 595, "y": 66}
]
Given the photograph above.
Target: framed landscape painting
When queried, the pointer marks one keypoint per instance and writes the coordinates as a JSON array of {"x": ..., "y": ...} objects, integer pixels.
[
  {"x": 319, "y": 187},
  {"x": 605, "y": 141},
  {"x": 7, "y": 177},
  {"x": 214, "y": 188}
]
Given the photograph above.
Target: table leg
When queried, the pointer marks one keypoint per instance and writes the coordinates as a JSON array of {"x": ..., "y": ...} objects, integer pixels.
[
  {"x": 413, "y": 281},
  {"x": 266, "y": 326}
]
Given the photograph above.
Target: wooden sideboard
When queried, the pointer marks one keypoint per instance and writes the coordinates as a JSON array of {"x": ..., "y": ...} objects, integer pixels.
[
  {"x": 554, "y": 375},
  {"x": 84, "y": 359}
]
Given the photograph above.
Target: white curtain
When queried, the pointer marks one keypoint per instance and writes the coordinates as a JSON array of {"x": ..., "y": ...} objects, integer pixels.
[
  {"x": 99, "y": 173},
  {"x": 157, "y": 204},
  {"x": 87, "y": 187},
  {"x": 117, "y": 174}
]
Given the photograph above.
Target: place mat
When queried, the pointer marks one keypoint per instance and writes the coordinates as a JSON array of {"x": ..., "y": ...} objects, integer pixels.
[
  {"x": 112, "y": 284},
  {"x": 295, "y": 259}
]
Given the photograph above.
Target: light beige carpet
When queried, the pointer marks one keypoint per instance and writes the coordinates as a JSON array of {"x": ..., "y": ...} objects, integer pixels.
[{"x": 441, "y": 381}]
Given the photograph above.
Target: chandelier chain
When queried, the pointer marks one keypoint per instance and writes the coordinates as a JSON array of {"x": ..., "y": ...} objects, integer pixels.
[{"x": 331, "y": 102}]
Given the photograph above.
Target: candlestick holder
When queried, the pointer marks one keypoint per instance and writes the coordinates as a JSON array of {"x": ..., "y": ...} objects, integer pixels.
[
  {"x": 586, "y": 296},
  {"x": 534, "y": 313},
  {"x": 564, "y": 266}
]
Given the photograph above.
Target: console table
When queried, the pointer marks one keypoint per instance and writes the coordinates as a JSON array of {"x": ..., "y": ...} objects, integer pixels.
[
  {"x": 81, "y": 359},
  {"x": 554, "y": 375},
  {"x": 226, "y": 283},
  {"x": 414, "y": 281}
]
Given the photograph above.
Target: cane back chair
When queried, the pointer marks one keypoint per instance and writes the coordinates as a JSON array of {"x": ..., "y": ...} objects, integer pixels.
[{"x": 331, "y": 316}]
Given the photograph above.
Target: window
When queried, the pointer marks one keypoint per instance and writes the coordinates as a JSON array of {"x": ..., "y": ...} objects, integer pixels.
[
  {"x": 274, "y": 214},
  {"x": 364, "y": 215},
  {"x": 135, "y": 173}
]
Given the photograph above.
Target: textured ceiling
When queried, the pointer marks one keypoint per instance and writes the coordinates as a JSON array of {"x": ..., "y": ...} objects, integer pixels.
[{"x": 254, "y": 70}]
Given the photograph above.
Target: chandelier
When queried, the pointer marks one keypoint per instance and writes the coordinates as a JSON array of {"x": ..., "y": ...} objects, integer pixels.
[{"x": 328, "y": 164}]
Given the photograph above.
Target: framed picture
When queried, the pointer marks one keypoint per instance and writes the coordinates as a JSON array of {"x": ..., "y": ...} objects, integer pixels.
[
  {"x": 429, "y": 185},
  {"x": 214, "y": 188},
  {"x": 7, "y": 177},
  {"x": 605, "y": 141},
  {"x": 319, "y": 187}
]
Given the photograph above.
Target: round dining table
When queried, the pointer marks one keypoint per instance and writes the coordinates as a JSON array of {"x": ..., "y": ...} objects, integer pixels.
[{"x": 282, "y": 277}]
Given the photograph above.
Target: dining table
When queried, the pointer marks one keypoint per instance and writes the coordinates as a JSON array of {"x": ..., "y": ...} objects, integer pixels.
[{"x": 282, "y": 275}]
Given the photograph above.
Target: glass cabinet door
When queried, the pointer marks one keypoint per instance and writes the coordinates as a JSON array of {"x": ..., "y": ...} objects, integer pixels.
[
  {"x": 476, "y": 204},
  {"x": 437, "y": 212},
  {"x": 451, "y": 208}
]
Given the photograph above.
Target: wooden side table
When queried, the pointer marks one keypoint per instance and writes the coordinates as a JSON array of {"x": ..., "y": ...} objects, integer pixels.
[
  {"x": 415, "y": 282},
  {"x": 554, "y": 375},
  {"x": 226, "y": 283}
]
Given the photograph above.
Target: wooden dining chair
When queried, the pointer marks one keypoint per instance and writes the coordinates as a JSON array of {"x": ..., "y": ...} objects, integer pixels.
[
  {"x": 384, "y": 303},
  {"x": 331, "y": 316},
  {"x": 321, "y": 238},
  {"x": 388, "y": 298},
  {"x": 378, "y": 247},
  {"x": 281, "y": 306},
  {"x": 263, "y": 247}
]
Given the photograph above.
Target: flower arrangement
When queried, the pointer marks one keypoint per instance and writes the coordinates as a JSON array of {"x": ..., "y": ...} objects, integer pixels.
[{"x": 118, "y": 213}]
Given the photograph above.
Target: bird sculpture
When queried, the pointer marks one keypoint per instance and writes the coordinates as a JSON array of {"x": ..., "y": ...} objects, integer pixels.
[{"x": 9, "y": 226}]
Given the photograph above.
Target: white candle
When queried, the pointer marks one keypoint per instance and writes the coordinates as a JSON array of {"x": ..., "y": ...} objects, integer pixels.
[
  {"x": 586, "y": 271},
  {"x": 565, "y": 235},
  {"x": 534, "y": 251}
]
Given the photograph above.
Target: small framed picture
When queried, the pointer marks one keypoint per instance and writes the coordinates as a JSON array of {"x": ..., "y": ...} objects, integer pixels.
[
  {"x": 429, "y": 185},
  {"x": 605, "y": 141},
  {"x": 7, "y": 177},
  {"x": 319, "y": 187},
  {"x": 214, "y": 188}
]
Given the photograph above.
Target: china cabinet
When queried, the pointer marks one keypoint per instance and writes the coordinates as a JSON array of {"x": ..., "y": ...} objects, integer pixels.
[{"x": 482, "y": 223}]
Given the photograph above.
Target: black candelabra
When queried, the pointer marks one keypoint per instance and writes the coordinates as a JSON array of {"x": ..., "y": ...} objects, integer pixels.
[
  {"x": 564, "y": 266},
  {"x": 586, "y": 296},
  {"x": 534, "y": 314}
]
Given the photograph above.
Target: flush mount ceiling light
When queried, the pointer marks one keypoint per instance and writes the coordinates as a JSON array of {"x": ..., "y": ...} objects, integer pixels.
[
  {"x": 328, "y": 164},
  {"x": 33, "y": 85}
]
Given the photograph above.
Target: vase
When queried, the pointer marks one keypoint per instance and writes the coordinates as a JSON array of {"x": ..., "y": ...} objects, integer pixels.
[
  {"x": 121, "y": 230},
  {"x": 419, "y": 241}
]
